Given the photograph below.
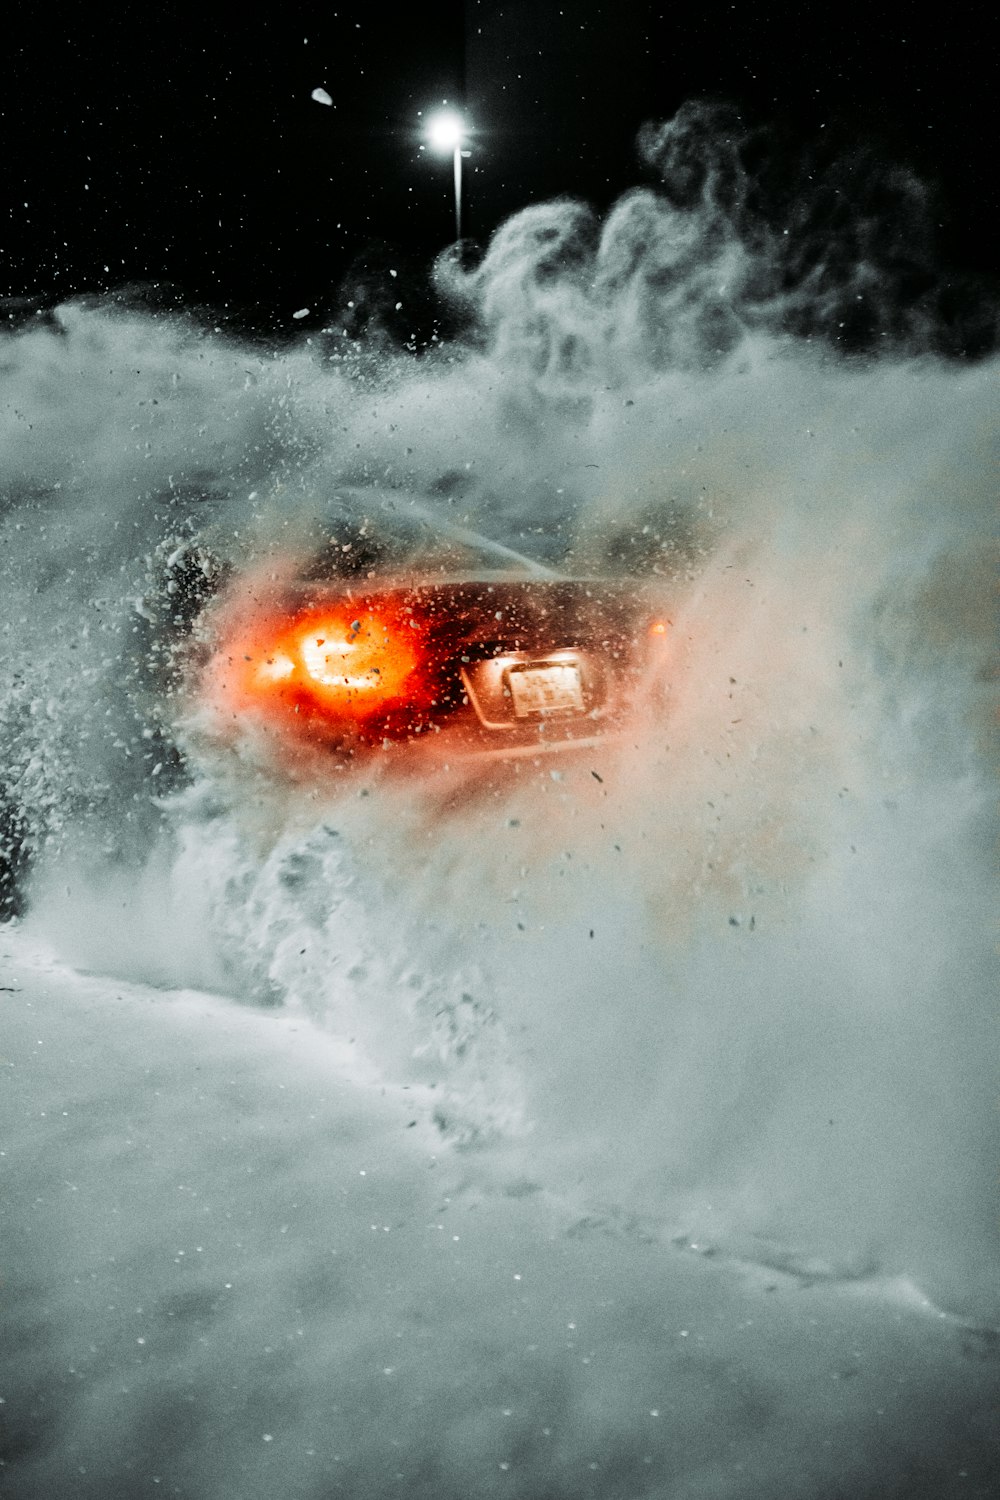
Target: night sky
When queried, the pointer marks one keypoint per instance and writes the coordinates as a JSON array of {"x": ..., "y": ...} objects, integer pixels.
[{"x": 176, "y": 149}]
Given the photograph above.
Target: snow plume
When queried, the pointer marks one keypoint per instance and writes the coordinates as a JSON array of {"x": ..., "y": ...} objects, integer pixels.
[
  {"x": 740, "y": 236},
  {"x": 731, "y": 981}
]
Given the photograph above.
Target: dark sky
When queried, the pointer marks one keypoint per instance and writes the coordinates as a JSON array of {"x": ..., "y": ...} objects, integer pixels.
[{"x": 172, "y": 143}]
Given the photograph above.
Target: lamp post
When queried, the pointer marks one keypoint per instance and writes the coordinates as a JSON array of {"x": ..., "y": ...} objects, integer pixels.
[{"x": 445, "y": 132}]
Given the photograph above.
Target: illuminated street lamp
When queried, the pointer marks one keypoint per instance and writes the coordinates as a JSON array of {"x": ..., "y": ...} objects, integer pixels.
[{"x": 445, "y": 132}]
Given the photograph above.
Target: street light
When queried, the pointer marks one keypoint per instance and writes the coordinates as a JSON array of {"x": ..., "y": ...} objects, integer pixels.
[{"x": 445, "y": 131}]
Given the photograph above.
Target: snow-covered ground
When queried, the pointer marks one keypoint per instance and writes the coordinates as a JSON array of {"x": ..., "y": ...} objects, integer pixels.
[{"x": 230, "y": 1268}]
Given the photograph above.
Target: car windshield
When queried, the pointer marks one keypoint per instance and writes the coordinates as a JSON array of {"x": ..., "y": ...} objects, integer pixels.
[{"x": 393, "y": 532}]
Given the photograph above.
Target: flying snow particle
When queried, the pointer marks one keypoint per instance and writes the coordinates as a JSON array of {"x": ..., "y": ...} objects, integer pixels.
[
  {"x": 303, "y": 312},
  {"x": 321, "y": 96}
]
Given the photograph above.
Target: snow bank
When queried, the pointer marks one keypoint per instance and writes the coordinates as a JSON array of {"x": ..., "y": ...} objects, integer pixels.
[{"x": 231, "y": 1267}]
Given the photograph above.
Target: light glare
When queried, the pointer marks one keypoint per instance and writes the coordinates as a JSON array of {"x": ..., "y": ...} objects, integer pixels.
[{"x": 445, "y": 130}]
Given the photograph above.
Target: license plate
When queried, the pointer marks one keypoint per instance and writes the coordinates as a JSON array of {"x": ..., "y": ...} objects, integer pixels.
[{"x": 543, "y": 690}]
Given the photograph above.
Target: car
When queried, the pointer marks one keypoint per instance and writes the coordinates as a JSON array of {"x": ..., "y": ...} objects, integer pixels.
[{"x": 404, "y": 629}]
